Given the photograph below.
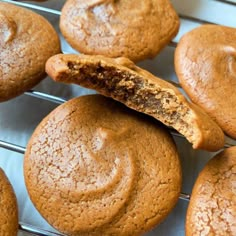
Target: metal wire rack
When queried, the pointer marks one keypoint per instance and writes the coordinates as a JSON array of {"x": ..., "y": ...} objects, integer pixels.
[{"x": 14, "y": 147}]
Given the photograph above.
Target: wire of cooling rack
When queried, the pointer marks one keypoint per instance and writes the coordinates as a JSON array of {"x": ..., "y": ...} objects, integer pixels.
[
  {"x": 230, "y": 2},
  {"x": 32, "y": 6},
  {"x": 58, "y": 100},
  {"x": 45, "y": 96},
  {"x": 37, "y": 231}
]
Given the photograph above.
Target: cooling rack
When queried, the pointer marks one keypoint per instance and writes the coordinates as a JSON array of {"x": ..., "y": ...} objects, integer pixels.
[{"x": 20, "y": 116}]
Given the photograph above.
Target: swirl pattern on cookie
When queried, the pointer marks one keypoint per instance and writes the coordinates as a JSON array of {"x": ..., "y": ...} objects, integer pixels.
[
  {"x": 119, "y": 28},
  {"x": 205, "y": 62},
  {"x": 27, "y": 40},
  {"x": 8, "y": 29},
  {"x": 95, "y": 167}
]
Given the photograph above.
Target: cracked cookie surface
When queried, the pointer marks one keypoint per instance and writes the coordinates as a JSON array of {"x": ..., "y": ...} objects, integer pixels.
[
  {"x": 137, "y": 30},
  {"x": 95, "y": 167},
  {"x": 212, "y": 208},
  {"x": 8, "y": 206},
  {"x": 205, "y": 62},
  {"x": 27, "y": 40}
]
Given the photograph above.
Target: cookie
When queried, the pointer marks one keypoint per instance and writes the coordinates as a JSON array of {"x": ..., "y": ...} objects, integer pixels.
[
  {"x": 27, "y": 40},
  {"x": 95, "y": 167},
  {"x": 119, "y": 28},
  {"x": 205, "y": 66},
  {"x": 212, "y": 208},
  {"x": 8, "y": 206},
  {"x": 122, "y": 80}
]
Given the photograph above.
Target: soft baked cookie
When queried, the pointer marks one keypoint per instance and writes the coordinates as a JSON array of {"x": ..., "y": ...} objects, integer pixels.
[
  {"x": 95, "y": 167},
  {"x": 27, "y": 40},
  {"x": 206, "y": 67},
  {"x": 137, "y": 30},
  {"x": 8, "y": 206},
  {"x": 212, "y": 208},
  {"x": 122, "y": 80}
]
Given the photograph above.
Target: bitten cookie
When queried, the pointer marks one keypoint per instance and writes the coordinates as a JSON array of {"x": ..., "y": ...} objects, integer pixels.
[
  {"x": 27, "y": 40},
  {"x": 206, "y": 67},
  {"x": 122, "y": 80},
  {"x": 212, "y": 208},
  {"x": 8, "y": 206},
  {"x": 95, "y": 167},
  {"x": 137, "y": 30}
]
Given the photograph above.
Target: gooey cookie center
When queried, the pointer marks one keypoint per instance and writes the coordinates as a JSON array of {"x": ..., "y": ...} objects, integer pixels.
[{"x": 8, "y": 29}]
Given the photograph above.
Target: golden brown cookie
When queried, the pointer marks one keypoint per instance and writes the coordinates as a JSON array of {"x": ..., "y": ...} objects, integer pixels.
[
  {"x": 122, "y": 80},
  {"x": 212, "y": 208},
  {"x": 27, "y": 40},
  {"x": 95, "y": 167},
  {"x": 137, "y": 30},
  {"x": 8, "y": 206},
  {"x": 206, "y": 68}
]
